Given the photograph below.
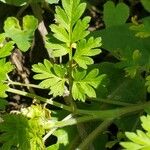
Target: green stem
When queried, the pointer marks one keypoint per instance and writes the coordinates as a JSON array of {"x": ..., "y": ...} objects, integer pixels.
[
  {"x": 101, "y": 114},
  {"x": 54, "y": 129},
  {"x": 103, "y": 126},
  {"x": 116, "y": 112},
  {"x": 74, "y": 121},
  {"x": 24, "y": 84},
  {"x": 33, "y": 96},
  {"x": 109, "y": 101}
]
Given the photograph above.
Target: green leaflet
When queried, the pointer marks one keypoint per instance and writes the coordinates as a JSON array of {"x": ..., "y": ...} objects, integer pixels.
[
  {"x": 86, "y": 49},
  {"x": 58, "y": 49},
  {"x": 5, "y": 68},
  {"x": 3, "y": 88},
  {"x": 5, "y": 47},
  {"x": 14, "y": 31},
  {"x": 53, "y": 77},
  {"x": 79, "y": 31},
  {"x": 84, "y": 83},
  {"x": 60, "y": 33},
  {"x": 73, "y": 9},
  {"x": 115, "y": 15},
  {"x": 70, "y": 27},
  {"x": 139, "y": 140}
]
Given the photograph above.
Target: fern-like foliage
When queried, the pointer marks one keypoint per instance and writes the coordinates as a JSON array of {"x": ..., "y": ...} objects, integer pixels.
[
  {"x": 141, "y": 139},
  {"x": 69, "y": 34}
]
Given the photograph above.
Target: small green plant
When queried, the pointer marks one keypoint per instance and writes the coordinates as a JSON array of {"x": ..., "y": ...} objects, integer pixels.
[{"x": 100, "y": 94}]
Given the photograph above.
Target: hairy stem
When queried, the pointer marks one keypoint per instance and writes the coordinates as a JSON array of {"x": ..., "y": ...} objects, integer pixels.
[
  {"x": 100, "y": 114},
  {"x": 23, "y": 84},
  {"x": 34, "y": 96}
]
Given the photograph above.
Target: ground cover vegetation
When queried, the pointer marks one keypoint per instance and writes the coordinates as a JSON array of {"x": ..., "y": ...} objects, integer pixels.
[{"x": 74, "y": 75}]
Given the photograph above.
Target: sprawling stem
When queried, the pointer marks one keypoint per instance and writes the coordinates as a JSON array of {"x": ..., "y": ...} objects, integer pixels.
[
  {"x": 34, "y": 96},
  {"x": 71, "y": 81},
  {"x": 101, "y": 114},
  {"x": 23, "y": 84}
]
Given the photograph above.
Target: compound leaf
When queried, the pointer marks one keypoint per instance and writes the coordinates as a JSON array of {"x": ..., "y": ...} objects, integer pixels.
[
  {"x": 84, "y": 84},
  {"x": 22, "y": 37},
  {"x": 53, "y": 77},
  {"x": 70, "y": 27},
  {"x": 86, "y": 49}
]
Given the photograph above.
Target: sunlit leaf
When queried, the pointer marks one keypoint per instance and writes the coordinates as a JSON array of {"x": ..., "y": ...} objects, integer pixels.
[
  {"x": 22, "y": 36},
  {"x": 85, "y": 49},
  {"x": 52, "y": 76},
  {"x": 84, "y": 84}
]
